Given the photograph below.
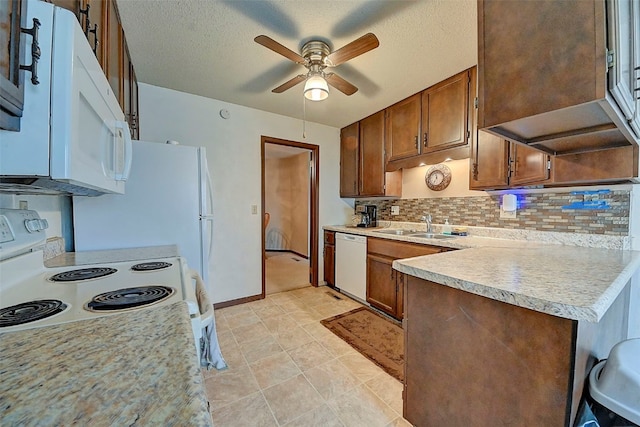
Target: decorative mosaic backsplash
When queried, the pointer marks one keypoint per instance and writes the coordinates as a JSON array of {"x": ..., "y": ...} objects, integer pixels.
[{"x": 536, "y": 211}]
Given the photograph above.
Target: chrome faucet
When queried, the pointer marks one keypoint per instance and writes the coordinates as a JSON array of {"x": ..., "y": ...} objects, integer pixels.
[{"x": 427, "y": 219}]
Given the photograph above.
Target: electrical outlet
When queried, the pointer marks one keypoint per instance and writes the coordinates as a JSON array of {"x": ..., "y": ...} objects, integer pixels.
[
  {"x": 507, "y": 214},
  {"x": 23, "y": 204},
  {"x": 254, "y": 209},
  {"x": 395, "y": 210}
]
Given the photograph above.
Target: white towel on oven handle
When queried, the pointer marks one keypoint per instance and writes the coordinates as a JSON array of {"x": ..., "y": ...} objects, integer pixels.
[{"x": 210, "y": 354}]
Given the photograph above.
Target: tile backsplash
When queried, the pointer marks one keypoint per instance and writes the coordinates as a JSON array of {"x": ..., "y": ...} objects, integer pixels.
[{"x": 536, "y": 211}]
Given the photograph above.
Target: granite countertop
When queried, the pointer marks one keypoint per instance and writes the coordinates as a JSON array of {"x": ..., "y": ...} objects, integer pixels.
[
  {"x": 563, "y": 280},
  {"x": 70, "y": 259},
  {"x": 134, "y": 368}
]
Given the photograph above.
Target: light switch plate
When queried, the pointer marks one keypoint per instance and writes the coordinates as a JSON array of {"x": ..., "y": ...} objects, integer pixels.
[
  {"x": 395, "y": 210},
  {"x": 254, "y": 209}
]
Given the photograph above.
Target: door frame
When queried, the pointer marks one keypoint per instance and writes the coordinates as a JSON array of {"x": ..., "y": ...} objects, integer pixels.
[{"x": 314, "y": 184}]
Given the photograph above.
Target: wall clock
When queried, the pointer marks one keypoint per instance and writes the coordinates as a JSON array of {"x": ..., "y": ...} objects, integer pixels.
[{"x": 438, "y": 177}]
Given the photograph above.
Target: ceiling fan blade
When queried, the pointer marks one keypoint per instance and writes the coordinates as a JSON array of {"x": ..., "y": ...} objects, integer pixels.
[
  {"x": 269, "y": 43},
  {"x": 355, "y": 48},
  {"x": 341, "y": 84},
  {"x": 289, "y": 84}
]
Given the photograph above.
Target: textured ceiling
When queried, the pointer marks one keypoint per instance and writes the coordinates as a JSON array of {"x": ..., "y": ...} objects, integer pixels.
[{"x": 206, "y": 47}]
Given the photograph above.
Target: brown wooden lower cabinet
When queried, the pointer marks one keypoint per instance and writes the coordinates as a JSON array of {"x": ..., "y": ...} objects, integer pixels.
[
  {"x": 475, "y": 361},
  {"x": 329, "y": 257},
  {"x": 384, "y": 284}
]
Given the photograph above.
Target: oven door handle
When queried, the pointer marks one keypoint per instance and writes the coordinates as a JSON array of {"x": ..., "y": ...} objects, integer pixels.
[{"x": 204, "y": 305}]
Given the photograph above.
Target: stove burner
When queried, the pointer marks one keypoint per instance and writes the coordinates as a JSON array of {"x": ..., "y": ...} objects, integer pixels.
[
  {"x": 149, "y": 266},
  {"x": 82, "y": 274},
  {"x": 127, "y": 298},
  {"x": 30, "y": 312}
]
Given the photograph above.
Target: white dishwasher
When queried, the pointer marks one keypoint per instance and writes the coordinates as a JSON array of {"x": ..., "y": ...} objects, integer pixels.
[{"x": 351, "y": 265}]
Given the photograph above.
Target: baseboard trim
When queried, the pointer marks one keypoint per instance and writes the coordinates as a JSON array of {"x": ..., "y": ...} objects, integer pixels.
[
  {"x": 238, "y": 301},
  {"x": 287, "y": 250}
]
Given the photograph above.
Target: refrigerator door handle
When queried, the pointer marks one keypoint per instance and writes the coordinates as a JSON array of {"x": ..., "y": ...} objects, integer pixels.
[
  {"x": 209, "y": 218},
  {"x": 206, "y": 190}
]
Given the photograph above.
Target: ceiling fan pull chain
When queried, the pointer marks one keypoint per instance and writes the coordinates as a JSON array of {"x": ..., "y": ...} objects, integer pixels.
[{"x": 304, "y": 117}]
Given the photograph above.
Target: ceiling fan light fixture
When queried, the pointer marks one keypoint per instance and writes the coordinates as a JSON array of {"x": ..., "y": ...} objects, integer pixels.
[{"x": 316, "y": 88}]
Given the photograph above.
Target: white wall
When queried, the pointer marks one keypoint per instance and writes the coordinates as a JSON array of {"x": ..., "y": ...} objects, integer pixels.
[{"x": 233, "y": 152}]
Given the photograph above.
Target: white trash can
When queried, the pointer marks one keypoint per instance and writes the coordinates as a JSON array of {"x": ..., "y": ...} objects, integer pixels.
[{"x": 615, "y": 382}]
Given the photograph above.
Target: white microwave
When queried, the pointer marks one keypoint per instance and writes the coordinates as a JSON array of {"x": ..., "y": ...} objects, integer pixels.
[{"x": 73, "y": 137}]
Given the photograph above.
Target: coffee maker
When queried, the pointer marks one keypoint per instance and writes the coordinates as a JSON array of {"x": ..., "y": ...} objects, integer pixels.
[{"x": 368, "y": 216}]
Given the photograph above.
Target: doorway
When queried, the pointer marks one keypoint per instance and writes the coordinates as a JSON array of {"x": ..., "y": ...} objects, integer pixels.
[{"x": 290, "y": 214}]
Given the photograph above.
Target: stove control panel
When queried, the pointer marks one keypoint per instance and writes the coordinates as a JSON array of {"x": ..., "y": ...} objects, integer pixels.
[
  {"x": 6, "y": 235},
  {"x": 21, "y": 231}
]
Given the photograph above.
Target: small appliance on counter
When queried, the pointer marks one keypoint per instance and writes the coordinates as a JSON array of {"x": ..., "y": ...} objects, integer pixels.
[{"x": 368, "y": 216}]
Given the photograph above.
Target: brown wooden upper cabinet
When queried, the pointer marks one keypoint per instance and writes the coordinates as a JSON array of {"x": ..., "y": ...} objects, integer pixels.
[
  {"x": 403, "y": 128},
  {"x": 113, "y": 66},
  {"x": 560, "y": 76},
  {"x": 94, "y": 26},
  {"x": 437, "y": 119},
  {"x": 362, "y": 160},
  {"x": 100, "y": 22},
  {"x": 498, "y": 163},
  {"x": 445, "y": 112},
  {"x": 12, "y": 18}
]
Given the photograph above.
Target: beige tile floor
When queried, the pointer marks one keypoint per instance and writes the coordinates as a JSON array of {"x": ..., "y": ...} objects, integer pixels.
[
  {"x": 286, "y": 369},
  {"x": 285, "y": 271}
]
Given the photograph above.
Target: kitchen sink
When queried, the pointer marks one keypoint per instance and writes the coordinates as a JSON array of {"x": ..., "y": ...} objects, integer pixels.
[
  {"x": 432, "y": 236},
  {"x": 396, "y": 231}
]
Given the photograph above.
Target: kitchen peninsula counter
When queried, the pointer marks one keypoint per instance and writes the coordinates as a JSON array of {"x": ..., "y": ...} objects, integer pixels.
[
  {"x": 138, "y": 367},
  {"x": 572, "y": 282},
  {"x": 504, "y": 331}
]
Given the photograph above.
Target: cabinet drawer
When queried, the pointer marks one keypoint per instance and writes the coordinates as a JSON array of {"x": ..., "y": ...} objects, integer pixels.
[
  {"x": 329, "y": 237},
  {"x": 399, "y": 250}
]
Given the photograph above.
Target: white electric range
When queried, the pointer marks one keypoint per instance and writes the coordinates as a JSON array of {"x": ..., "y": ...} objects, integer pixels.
[{"x": 100, "y": 283}]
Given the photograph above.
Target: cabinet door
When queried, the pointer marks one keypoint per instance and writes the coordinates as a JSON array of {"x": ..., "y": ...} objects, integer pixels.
[
  {"x": 329, "y": 264},
  {"x": 382, "y": 290},
  {"x": 624, "y": 35},
  {"x": 490, "y": 162},
  {"x": 403, "y": 128},
  {"x": 135, "y": 113},
  {"x": 11, "y": 78},
  {"x": 126, "y": 84},
  {"x": 349, "y": 149},
  {"x": 525, "y": 71},
  {"x": 400, "y": 283},
  {"x": 529, "y": 165},
  {"x": 445, "y": 113},
  {"x": 372, "y": 178},
  {"x": 113, "y": 49},
  {"x": 96, "y": 28}
]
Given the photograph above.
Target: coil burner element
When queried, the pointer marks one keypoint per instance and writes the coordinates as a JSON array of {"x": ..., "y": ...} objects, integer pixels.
[{"x": 129, "y": 298}]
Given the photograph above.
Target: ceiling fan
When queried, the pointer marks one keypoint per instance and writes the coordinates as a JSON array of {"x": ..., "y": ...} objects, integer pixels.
[{"x": 316, "y": 56}]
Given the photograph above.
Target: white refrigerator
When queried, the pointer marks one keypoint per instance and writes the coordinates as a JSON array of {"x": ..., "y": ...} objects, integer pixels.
[{"x": 168, "y": 201}]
